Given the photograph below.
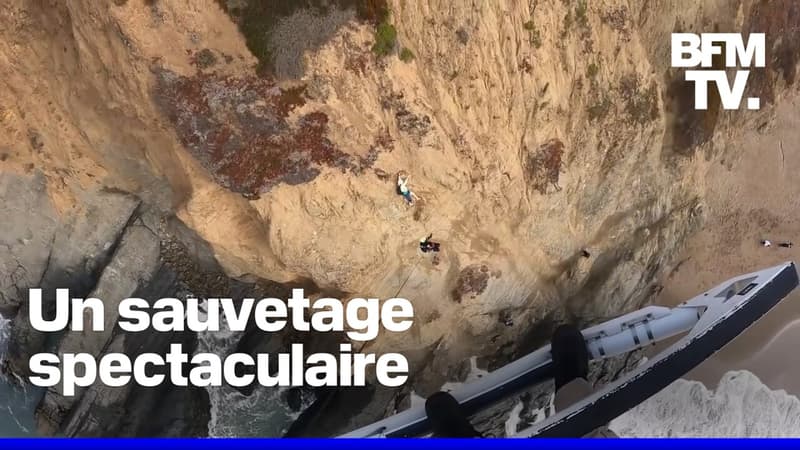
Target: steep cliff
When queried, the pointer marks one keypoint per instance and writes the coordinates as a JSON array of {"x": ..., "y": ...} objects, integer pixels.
[{"x": 530, "y": 131}]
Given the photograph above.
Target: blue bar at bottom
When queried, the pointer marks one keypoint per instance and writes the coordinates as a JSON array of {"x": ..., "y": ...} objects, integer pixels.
[{"x": 397, "y": 444}]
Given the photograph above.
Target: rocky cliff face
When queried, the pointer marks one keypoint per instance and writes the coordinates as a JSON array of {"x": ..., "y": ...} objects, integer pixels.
[
  {"x": 530, "y": 130},
  {"x": 104, "y": 248}
]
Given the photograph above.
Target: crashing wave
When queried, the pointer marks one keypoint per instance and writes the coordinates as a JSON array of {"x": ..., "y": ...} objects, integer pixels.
[
  {"x": 4, "y": 331},
  {"x": 233, "y": 414},
  {"x": 16, "y": 402},
  {"x": 740, "y": 406}
]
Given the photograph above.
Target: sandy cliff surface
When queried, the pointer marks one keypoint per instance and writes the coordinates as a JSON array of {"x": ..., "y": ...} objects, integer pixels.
[{"x": 530, "y": 130}]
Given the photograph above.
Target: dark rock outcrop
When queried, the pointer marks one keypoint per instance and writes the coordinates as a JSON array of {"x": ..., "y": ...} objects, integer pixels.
[
  {"x": 133, "y": 410},
  {"x": 79, "y": 248},
  {"x": 29, "y": 225},
  {"x": 131, "y": 268},
  {"x": 105, "y": 247}
]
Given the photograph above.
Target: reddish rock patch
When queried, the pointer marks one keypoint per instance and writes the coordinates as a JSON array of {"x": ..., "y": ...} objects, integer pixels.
[
  {"x": 543, "y": 166},
  {"x": 238, "y": 128},
  {"x": 472, "y": 281}
]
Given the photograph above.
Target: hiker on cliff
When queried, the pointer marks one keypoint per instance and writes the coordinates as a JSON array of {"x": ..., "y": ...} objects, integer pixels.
[
  {"x": 427, "y": 245},
  {"x": 402, "y": 188}
]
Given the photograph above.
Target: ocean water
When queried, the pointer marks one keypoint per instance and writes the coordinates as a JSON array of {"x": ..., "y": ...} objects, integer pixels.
[
  {"x": 16, "y": 404},
  {"x": 264, "y": 413},
  {"x": 741, "y": 405}
]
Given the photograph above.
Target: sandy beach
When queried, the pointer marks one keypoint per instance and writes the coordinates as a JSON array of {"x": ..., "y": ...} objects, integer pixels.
[{"x": 755, "y": 195}]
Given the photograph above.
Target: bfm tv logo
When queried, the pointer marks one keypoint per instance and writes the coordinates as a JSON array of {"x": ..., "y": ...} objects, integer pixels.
[{"x": 701, "y": 50}]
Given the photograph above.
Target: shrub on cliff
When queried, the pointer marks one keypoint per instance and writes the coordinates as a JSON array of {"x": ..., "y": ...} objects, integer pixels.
[{"x": 385, "y": 39}]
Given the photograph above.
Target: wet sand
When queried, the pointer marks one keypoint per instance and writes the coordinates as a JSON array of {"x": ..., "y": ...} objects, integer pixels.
[{"x": 753, "y": 195}]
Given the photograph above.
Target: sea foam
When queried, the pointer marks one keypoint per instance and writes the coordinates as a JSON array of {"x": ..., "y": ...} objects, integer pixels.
[{"x": 740, "y": 406}]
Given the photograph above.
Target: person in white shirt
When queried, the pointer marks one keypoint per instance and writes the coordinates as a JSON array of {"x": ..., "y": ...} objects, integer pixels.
[{"x": 402, "y": 189}]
